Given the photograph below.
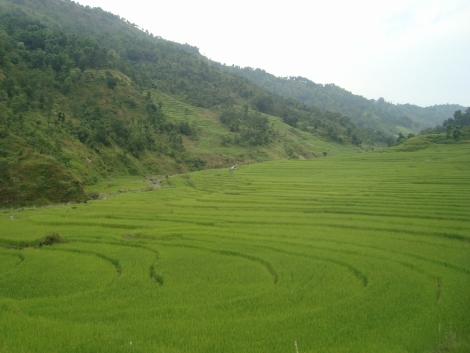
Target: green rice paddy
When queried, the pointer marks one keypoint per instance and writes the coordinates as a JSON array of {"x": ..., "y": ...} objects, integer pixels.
[{"x": 358, "y": 253}]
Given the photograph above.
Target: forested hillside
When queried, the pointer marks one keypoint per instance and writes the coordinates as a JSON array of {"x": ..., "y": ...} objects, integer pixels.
[
  {"x": 375, "y": 114},
  {"x": 455, "y": 126},
  {"x": 87, "y": 95}
]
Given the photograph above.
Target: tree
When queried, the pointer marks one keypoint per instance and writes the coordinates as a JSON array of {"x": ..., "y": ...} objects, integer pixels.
[
  {"x": 112, "y": 82},
  {"x": 456, "y": 132},
  {"x": 19, "y": 103},
  {"x": 60, "y": 62},
  {"x": 82, "y": 132},
  {"x": 449, "y": 128},
  {"x": 4, "y": 97},
  {"x": 9, "y": 86},
  {"x": 61, "y": 117},
  {"x": 101, "y": 135},
  {"x": 2, "y": 55},
  {"x": 356, "y": 140},
  {"x": 263, "y": 103},
  {"x": 83, "y": 63},
  {"x": 67, "y": 86},
  {"x": 401, "y": 139},
  {"x": 185, "y": 128}
]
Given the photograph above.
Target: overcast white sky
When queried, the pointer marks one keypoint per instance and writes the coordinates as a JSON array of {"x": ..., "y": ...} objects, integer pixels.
[{"x": 407, "y": 51}]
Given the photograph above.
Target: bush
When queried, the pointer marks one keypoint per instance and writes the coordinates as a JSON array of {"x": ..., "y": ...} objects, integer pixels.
[
  {"x": 94, "y": 195},
  {"x": 50, "y": 239}
]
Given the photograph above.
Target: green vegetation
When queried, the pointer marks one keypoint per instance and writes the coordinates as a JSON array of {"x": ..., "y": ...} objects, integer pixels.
[
  {"x": 378, "y": 115},
  {"x": 456, "y": 127},
  {"x": 358, "y": 253},
  {"x": 328, "y": 251},
  {"x": 79, "y": 105},
  {"x": 50, "y": 239}
]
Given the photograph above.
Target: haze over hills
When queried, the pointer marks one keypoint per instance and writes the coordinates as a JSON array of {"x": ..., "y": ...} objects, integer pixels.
[{"x": 86, "y": 95}]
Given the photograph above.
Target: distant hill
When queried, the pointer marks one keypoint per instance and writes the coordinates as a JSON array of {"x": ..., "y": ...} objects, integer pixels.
[
  {"x": 375, "y": 114},
  {"x": 86, "y": 95}
]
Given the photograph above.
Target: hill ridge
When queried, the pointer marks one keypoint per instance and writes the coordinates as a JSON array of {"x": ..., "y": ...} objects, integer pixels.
[{"x": 376, "y": 114}]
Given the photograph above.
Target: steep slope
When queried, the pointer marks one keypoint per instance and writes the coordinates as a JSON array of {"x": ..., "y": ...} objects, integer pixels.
[
  {"x": 88, "y": 95},
  {"x": 375, "y": 114}
]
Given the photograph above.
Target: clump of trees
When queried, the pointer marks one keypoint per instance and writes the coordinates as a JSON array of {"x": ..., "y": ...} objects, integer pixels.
[
  {"x": 402, "y": 138},
  {"x": 452, "y": 127},
  {"x": 252, "y": 127}
]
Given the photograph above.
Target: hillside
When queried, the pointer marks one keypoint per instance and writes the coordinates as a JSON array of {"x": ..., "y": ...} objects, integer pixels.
[
  {"x": 85, "y": 95},
  {"x": 375, "y": 114}
]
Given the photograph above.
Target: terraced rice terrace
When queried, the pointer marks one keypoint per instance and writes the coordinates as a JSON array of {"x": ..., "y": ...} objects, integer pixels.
[{"x": 357, "y": 253}]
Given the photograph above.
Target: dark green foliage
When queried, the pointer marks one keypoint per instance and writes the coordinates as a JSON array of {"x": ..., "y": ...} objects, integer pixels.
[
  {"x": 452, "y": 126},
  {"x": 460, "y": 119},
  {"x": 196, "y": 163},
  {"x": 82, "y": 132},
  {"x": 456, "y": 132},
  {"x": 448, "y": 129},
  {"x": 401, "y": 139},
  {"x": 94, "y": 195},
  {"x": 4, "y": 169},
  {"x": 51, "y": 238},
  {"x": 185, "y": 128},
  {"x": 263, "y": 103},
  {"x": 253, "y": 128},
  {"x": 101, "y": 134},
  {"x": 111, "y": 81},
  {"x": 154, "y": 275}
]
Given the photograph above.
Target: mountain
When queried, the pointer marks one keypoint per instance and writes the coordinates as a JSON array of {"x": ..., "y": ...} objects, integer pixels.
[
  {"x": 86, "y": 95},
  {"x": 375, "y": 114}
]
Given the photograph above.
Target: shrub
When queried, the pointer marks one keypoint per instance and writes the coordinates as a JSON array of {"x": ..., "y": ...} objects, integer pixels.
[
  {"x": 94, "y": 195},
  {"x": 50, "y": 239}
]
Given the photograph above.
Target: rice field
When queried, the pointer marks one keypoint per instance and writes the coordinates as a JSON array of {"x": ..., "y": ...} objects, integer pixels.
[{"x": 356, "y": 253}]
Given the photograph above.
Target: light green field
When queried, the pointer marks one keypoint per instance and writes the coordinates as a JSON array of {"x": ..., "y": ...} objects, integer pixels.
[{"x": 359, "y": 253}]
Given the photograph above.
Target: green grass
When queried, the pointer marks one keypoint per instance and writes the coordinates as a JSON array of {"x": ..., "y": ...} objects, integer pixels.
[
  {"x": 210, "y": 131},
  {"x": 359, "y": 253}
]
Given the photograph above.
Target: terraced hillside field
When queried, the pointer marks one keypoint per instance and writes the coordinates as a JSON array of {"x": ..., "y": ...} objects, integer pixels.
[{"x": 357, "y": 253}]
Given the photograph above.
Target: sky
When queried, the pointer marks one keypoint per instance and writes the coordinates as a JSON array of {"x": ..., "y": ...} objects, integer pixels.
[{"x": 406, "y": 51}]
